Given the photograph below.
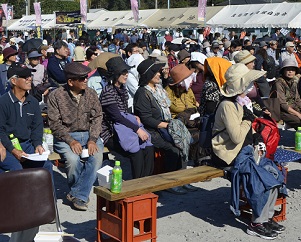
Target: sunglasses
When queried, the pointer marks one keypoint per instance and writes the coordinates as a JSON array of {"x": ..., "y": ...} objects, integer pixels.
[{"x": 80, "y": 79}]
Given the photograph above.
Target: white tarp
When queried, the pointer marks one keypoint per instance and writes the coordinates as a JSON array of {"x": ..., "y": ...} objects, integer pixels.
[
  {"x": 256, "y": 15},
  {"x": 190, "y": 17},
  {"x": 128, "y": 20},
  {"x": 107, "y": 19},
  {"x": 28, "y": 22}
]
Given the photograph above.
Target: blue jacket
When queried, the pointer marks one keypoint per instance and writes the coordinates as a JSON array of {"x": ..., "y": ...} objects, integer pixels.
[
  {"x": 55, "y": 69},
  {"x": 257, "y": 180}
]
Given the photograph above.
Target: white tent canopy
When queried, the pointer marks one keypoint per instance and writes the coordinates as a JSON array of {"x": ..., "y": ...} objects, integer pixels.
[
  {"x": 107, "y": 19},
  {"x": 257, "y": 16},
  {"x": 28, "y": 22}
]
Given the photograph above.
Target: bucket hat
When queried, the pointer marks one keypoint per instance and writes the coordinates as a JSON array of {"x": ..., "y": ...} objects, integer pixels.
[
  {"x": 147, "y": 70},
  {"x": 227, "y": 44},
  {"x": 289, "y": 63},
  {"x": 206, "y": 44},
  {"x": 162, "y": 60},
  {"x": 179, "y": 73},
  {"x": 34, "y": 54},
  {"x": 262, "y": 44},
  {"x": 238, "y": 78},
  {"x": 244, "y": 57},
  {"x": 183, "y": 54},
  {"x": 116, "y": 65},
  {"x": 155, "y": 53},
  {"x": 9, "y": 51},
  {"x": 197, "y": 56}
]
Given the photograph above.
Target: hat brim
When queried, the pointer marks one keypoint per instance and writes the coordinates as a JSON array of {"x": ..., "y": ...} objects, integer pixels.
[
  {"x": 243, "y": 82},
  {"x": 297, "y": 70},
  {"x": 187, "y": 75},
  {"x": 248, "y": 59},
  {"x": 145, "y": 78}
]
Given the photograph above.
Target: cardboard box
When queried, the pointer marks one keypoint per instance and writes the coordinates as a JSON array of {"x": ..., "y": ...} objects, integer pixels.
[{"x": 104, "y": 175}]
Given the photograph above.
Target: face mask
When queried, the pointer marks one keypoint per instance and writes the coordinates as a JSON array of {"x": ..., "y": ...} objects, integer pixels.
[
  {"x": 186, "y": 83},
  {"x": 245, "y": 101}
]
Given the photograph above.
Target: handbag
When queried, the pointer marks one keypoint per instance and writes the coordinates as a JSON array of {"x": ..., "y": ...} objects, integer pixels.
[{"x": 273, "y": 105}]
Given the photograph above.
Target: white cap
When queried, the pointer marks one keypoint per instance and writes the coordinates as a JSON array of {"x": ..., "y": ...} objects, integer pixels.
[
  {"x": 166, "y": 32},
  {"x": 198, "y": 56},
  {"x": 45, "y": 42},
  {"x": 51, "y": 50}
]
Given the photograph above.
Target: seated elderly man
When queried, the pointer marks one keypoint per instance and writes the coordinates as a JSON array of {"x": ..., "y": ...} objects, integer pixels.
[
  {"x": 75, "y": 117},
  {"x": 20, "y": 115}
]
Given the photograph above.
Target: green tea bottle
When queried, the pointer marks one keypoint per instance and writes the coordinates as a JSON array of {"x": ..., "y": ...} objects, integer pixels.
[
  {"x": 298, "y": 139},
  {"x": 15, "y": 142},
  {"x": 116, "y": 181}
]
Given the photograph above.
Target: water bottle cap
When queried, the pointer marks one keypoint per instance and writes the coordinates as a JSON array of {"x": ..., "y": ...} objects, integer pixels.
[
  {"x": 299, "y": 128},
  {"x": 11, "y": 136},
  {"x": 117, "y": 163}
]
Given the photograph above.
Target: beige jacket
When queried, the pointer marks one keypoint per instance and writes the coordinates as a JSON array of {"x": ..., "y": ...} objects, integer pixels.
[{"x": 227, "y": 144}]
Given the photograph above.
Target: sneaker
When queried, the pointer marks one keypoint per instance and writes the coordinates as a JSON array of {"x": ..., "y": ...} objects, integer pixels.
[
  {"x": 190, "y": 188},
  {"x": 273, "y": 225},
  {"x": 80, "y": 204},
  {"x": 261, "y": 231},
  {"x": 177, "y": 190},
  {"x": 70, "y": 198}
]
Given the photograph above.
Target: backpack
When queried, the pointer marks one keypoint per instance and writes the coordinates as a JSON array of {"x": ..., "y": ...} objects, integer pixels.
[
  {"x": 270, "y": 67},
  {"x": 269, "y": 131}
]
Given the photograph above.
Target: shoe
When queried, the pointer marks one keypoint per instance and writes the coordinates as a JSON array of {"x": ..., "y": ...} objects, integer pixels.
[
  {"x": 273, "y": 225},
  {"x": 190, "y": 188},
  {"x": 177, "y": 190},
  {"x": 80, "y": 204},
  {"x": 70, "y": 198},
  {"x": 261, "y": 231}
]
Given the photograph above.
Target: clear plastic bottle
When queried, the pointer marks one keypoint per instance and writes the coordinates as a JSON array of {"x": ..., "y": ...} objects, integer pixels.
[
  {"x": 49, "y": 139},
  {"x": 15, "y": 142},
  {"x": 116, "y": 182},
  {"x": 298, "y": 139}
]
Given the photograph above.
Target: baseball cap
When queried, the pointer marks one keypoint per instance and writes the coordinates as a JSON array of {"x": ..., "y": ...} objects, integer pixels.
[
  {"x": 289, "y": 44},
  {"x": 19, "y": 70}
]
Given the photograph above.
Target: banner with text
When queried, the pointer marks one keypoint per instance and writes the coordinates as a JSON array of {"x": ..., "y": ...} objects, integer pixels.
[
  {"x": 83, "y": 11},
  {"x": 68, "y": 17}
]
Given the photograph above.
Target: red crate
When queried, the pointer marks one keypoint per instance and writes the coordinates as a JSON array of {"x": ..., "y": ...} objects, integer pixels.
[{"x": 118, "y": 219}]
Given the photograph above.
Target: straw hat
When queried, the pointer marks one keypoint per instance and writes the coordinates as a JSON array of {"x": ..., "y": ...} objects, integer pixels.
[
  {"x": 239, "y": 77},
  {"x": 179, "y": 73}
]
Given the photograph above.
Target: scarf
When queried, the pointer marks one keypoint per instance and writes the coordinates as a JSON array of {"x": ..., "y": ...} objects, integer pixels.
[{"x": 162, "y": 99}]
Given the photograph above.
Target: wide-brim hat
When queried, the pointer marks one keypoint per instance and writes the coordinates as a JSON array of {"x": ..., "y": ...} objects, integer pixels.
[
  {"x": 101, "y": 59},
  {"x": 289, "y": 63},
  {"x": 75, "y": 70},
  {"x": 9, "y": 51},
  {"x": 155, "y": 53},
  {"x": 162, "y": 60},
  {"x": 116, "y": 65},
  {"x": 244, "y": 57},
  {"x": 262, "y": 44},
  {"x": 147, "y": 70},
  {"x": 206, "y": 44},
  {"x": 238, "y": 79},
  {"x": 179, "y": 73}
]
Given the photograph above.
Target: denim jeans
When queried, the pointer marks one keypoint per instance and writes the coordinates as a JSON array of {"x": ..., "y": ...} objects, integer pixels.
[
  {"x": 11, "y": 163},
  {"x": 81, "y": 173}
]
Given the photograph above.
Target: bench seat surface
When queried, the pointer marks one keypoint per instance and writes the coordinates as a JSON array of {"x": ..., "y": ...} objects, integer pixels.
[{"x": 160, "y": 182}]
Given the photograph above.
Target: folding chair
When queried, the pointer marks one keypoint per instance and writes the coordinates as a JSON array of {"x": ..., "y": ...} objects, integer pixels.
[{"x": 27, "y": 200}]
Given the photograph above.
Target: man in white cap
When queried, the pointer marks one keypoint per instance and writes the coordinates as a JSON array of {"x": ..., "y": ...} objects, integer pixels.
[{"x": 288, "y": 54}]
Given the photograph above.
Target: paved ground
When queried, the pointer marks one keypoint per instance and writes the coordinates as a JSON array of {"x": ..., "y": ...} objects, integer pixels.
[{"x": 197, "y": 216}]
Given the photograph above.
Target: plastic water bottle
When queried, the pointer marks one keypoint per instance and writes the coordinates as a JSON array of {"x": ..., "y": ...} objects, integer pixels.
[
  {"x": 298, "y": 139},
  {"x": 15, "y": 142},
  {"x": 49, "y": 139},
  {"x": 116, "y": 181}
]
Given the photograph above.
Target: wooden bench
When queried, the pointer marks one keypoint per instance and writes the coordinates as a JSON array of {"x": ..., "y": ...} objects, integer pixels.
[{"x": 135, "y": 205}]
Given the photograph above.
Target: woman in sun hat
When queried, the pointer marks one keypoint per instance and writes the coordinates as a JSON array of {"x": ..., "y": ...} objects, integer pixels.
[
  {"x": 114, "y": 101},
  {"x": 233, "y": 145},
  {"x": 287, "y": 92},
  {"x": 151, "y": 104}
]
